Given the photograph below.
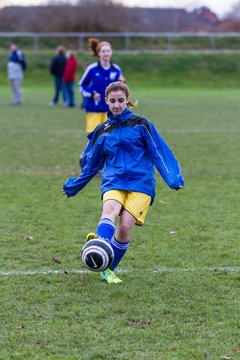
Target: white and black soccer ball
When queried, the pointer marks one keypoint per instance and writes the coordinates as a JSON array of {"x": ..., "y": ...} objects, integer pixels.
[{"x": 97, "y": 255}]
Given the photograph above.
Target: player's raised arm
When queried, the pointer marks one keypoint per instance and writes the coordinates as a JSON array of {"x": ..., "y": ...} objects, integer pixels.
[{"x": 164, "y": 159}]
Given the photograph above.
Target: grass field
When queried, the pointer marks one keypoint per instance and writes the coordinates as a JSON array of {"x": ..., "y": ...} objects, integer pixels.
[
  {"x": 180, "y": 294},
  {"x": 215, "y": 70}
]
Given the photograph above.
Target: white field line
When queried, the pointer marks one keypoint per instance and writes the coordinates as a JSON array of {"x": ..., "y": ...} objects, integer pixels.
[{"x": 204, "y": 269}]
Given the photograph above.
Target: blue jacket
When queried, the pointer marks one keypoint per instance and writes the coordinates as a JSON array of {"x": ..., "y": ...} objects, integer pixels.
[
  {"x": 58, "y": 64},
  {"x": 129, "y": 146},
  {"x": 95, "y": 80}
]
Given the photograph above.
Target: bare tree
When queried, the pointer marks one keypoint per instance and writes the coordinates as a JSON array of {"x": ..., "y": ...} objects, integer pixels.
[
  {"x": 235, "y": 12},
  {"x": 111, "y": 16}
]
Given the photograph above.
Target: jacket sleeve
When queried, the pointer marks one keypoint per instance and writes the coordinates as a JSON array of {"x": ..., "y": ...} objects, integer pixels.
[
  {"x": 164, "y": 159},
  {"x": 84, "y": 84},
  {"x": 67, "y": 72},
  {"x": 70, "y": 70},
  {"x": 93, "y": 161},
  {"x": 23, "y": 63},
  {"x": 19, "y": 58},
  {"x": 53, "y": 66}
]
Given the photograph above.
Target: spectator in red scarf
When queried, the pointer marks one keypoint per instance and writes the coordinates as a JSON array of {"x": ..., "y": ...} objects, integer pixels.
[{"x": 69, "y": 77}]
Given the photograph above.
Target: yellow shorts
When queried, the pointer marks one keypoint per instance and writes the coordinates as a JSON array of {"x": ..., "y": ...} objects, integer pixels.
[
  {"x": 135, "y": 203},
  {"x": 93, "y": 120}
]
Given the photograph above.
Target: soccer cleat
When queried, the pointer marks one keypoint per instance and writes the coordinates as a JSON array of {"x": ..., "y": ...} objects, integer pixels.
[
  {"x": 109, "y": 276},
  {"x": 91, "y": 236}
]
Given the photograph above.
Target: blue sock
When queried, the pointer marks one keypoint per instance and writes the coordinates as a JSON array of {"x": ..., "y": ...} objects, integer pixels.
[
  {"x": 119, "y": 249},
  {"x": 106, "y": 229}
]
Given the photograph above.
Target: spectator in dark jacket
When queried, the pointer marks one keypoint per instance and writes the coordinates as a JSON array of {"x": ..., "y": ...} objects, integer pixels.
[
  {"x": 16, "y": 68},
  {"x": 69, "y": 77},
  {"x": 57, "y": 69}
]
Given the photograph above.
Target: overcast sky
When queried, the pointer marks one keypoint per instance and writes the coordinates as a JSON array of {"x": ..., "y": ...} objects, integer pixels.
[{"x": 220, "y": 7}]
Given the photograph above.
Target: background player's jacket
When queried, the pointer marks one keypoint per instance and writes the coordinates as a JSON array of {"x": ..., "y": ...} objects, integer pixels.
[
  {"x": 129, "y": 146},
  {"x": 16, "y": 65},
  {"x": 95, "y": 80},
  {"x": 70, "y": 70},
  {"x": 58, "y": 65}
]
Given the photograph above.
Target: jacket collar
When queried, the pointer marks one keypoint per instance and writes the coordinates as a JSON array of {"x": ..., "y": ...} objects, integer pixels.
[
  {"x": 99, "y": 64},
  {"x": 124, "y": 116}
]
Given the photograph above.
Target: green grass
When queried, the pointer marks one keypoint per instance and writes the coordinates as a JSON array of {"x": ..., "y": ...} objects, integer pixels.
[
  {"x": 216, "y": 70},
  {"x": 180, "y": 294}
]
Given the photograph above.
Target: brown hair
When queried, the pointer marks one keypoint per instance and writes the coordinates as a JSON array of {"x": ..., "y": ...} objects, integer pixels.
[
  {"x": 95, "y": 45},
  {"x": 119, "y": 85}
]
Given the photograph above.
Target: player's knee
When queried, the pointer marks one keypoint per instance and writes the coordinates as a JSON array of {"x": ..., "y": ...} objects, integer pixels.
[
  {"x": 110, "y": 212},
  {"x": 124, "y": 229}
]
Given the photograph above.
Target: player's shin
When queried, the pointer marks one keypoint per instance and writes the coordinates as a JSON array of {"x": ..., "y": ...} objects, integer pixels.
[
  {"x": 106, "y": 229},
  {"x": 119, "y": 249}
]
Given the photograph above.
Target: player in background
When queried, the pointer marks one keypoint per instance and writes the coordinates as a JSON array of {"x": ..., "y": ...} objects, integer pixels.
[
  {"x": 69, "y": 77},
  {"x": 16, "y": 67},
  {"x": 57, "y": 67},
  {"x": 94, "y": 81},
  {"x": 130, "y": 146}
]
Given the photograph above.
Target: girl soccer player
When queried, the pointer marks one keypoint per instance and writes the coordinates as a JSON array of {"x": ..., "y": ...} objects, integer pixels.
[
  {"x": 129, "y": 145},
  {"x": 94, "y": 81}
]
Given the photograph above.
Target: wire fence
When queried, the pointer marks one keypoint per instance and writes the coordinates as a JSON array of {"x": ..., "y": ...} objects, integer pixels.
[{"x": 128, "y": 42}]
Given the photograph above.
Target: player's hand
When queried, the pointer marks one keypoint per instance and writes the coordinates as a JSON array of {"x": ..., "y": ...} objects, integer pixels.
[
  {"x": 180, "y": 187},
  {"x": 63, "y": 192},
  {"x": 122, "y": 79},
  {"x": 96, "y": 96}
]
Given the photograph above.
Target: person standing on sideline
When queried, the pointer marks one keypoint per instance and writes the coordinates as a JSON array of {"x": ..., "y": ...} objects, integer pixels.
[
  {"x": 94, "y": 81},
  {"x": 130, "y": 147},
  {"x": 16, "y": 67},
  {"x": 57, "y": 69},
  {"x": 69, "y": 77}
]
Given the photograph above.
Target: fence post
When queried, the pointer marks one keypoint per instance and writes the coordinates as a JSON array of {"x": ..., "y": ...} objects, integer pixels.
[
  {"x": 36, "y": 42},
  {"x": 170, "y": 43},
  {"x": 81, "y": 42},
  {"x": 127, "y": 42},
  {"x": 213, "y": 42}
]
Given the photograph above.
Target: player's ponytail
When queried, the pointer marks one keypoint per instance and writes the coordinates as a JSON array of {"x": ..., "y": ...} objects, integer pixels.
[{"x": 95, "y": 45}]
